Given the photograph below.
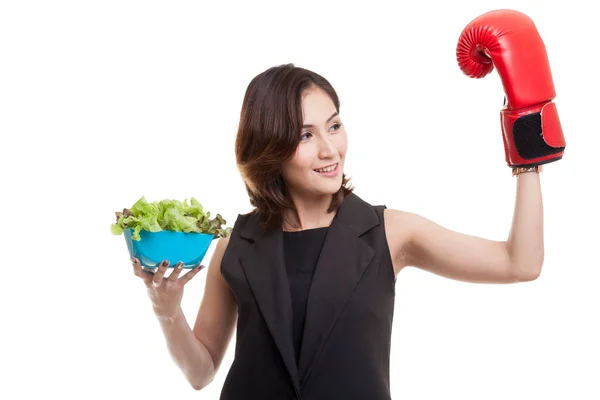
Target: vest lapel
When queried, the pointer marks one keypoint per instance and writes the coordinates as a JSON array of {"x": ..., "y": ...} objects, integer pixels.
[
  {"x": 342, "y": 262},
  {"x": 263, "y": 264}
]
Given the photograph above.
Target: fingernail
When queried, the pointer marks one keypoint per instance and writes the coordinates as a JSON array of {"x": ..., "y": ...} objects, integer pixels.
[
  {"x": 164, "y": 263},
  {"x": 179, "y": 265},
  {"x": 132, "y": 260}
]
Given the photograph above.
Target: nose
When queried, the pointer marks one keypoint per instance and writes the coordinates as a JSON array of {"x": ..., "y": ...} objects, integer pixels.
[{"x": 327, "y": 149}]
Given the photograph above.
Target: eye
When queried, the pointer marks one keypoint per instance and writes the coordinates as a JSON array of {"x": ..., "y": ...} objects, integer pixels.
[
  {"x": 305, "y": 133},
  {"x": 337, "y": 125}
]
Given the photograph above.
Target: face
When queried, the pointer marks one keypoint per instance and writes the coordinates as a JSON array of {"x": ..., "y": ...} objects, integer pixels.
[{"x": 323, "y": 143}]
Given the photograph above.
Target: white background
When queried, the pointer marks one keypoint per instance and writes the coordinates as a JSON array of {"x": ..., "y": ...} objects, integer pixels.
[{"x": 103, "y": 102}]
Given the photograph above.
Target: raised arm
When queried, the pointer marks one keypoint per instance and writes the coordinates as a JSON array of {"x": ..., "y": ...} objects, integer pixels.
[{"x": 417, "y": 241}]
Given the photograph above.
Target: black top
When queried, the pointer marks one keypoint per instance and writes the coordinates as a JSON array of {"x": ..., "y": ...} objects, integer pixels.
[{"x": 301, "y": 251}]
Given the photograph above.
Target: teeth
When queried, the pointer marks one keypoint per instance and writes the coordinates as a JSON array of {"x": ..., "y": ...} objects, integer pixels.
[{"x": 327, "y": 169}]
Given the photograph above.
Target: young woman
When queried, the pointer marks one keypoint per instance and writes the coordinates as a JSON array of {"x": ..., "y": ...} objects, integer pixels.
[{"x": 308, "y": 277}]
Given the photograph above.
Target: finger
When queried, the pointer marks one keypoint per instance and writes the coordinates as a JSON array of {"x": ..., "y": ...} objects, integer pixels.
[
  {"x": 186, "y": 278},
  {"x": 176, "y": 271},
  {"x": 158, "y": 276},
  {"x": 138, "y": 270}
]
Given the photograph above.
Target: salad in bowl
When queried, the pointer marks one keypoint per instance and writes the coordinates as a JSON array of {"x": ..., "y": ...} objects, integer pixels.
[{"x": 168, "y": 230}]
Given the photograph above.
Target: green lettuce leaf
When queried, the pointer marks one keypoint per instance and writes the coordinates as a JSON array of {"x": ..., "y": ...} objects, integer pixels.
[{"x": 170, "y": 215}]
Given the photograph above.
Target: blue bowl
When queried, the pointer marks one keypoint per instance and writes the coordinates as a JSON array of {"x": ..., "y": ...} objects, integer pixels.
[{"x": 154, "y": 247}]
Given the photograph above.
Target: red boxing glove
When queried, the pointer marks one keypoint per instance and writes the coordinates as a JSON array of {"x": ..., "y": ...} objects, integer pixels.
[{"x": 510, "y": 41}]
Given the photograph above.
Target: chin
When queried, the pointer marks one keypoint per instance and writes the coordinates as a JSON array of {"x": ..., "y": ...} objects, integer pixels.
[{"x": 331, "y": 188}]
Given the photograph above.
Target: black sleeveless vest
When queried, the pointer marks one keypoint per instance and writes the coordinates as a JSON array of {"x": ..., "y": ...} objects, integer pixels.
[{"x": 347, "y": 330}]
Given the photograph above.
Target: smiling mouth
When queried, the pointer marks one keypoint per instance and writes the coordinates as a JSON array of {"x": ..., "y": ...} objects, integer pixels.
[{"x": 329, "y": 168}]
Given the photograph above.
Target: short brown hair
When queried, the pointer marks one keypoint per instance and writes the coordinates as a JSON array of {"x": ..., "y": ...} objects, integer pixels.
[{"x": 268, "y": 134}]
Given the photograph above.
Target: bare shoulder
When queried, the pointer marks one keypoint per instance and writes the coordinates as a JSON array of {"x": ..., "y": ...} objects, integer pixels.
[
  {"x": 398, "y": 234},
  {"x": 217, "y": 313}
]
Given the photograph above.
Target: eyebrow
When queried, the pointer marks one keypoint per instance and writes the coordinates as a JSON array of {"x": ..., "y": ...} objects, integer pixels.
[{"x": 329, "y": 119}]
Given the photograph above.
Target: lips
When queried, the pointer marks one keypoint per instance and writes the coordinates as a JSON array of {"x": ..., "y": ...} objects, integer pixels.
[{"x": 330, "y": 165}]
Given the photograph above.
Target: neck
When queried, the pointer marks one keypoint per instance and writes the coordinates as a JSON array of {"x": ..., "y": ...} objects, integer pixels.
[{"x": 312, "y": 213}]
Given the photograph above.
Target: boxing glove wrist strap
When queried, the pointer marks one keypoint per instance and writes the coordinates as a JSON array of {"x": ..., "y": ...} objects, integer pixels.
[{"x": 520, "y": 170}]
